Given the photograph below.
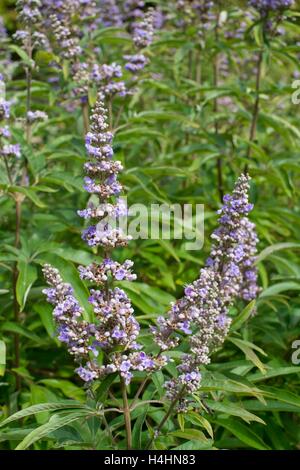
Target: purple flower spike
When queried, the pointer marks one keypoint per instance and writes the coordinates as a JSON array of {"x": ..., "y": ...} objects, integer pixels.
[{"x": 203, "y": 311}]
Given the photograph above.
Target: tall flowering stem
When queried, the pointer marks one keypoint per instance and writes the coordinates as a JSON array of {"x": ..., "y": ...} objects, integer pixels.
[
  {"x": 142, "y": 35},
  {"x": 114, "y": 330},
  {"x": 10, "y": 153},
  {"x": 202, "y": 314},
  {"x": 216, "y": 80},
  {"x": 266, "y": 9},
  {"x": 28, "y": 15},
  {"x": 110, "y": 13},
  {"x": 255, "y": 112}
]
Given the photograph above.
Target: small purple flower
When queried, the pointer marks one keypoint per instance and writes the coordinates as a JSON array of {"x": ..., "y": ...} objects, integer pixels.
[
  {"x": 5, "y": 132},
  {"x": 85, "y": 374},
  {"x": 11, "y": 150},
  {"x": 125, "y": 366},
  {"x": 185, "y": 327}
]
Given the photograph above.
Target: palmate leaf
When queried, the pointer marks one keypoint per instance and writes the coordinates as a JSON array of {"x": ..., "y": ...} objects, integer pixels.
[
  {"x": 55, "y": 422},
  {"x": 32, "y": 410}
]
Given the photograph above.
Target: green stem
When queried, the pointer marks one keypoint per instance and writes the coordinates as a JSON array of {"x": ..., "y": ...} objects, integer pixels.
[
  {"x": 166, "y": 417},
  {"x": 17, "y": 311},
  {"x": 255, "y": 112},
  {"x": 126, "y": 411},
  {"x": 110, "y": 114},
  {"x": 108, "y": 430},
  {"x": 85, "y": 116},
  {"x": 18, "y": 217},
  {"x": 215, "y": 109},
  {"x": 8, "y": 170}
]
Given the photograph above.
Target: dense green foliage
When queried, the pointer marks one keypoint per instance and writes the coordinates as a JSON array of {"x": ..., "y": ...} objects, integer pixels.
[{"x": 170, "y": 133}]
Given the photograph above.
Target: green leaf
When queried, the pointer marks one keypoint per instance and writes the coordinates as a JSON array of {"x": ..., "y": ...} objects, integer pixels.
[
  {"x": 233, "y": 410},
  {"x": 22, "y": 372},
  {"x": 15, "y": 435},
  {"x": 181, "y": 421},
  {"x": 247, "y": 349},
  {"x": 195, "y": 445},
  {"x": 41, "y": 408},
  {"x": 190, "y": 434},
  {"x": 242, "y": 432},
  {"x": 276, "y": 372},
  {"x": 22, "y": 54},
  {"x": 55, "y": 422},
  {"x": 271, "y": 405},
  {"x": 103, "y": 389},
  {"x": 284, "y": 396},
  {"x": 69, "y": 390},
  {"x": 280, "y": 287},
  {"x": 45, "y": 312},
  {"x": 276, "y": 247},
  {"x": 21, "y": 330},
  {"x": 2, "y": 357},
  {"x": 70, "y": 274},
  {"x": 26, "y": 277},
  {"x": 222, "y": 383},
  {"x": 197, "y": 419},
  {"x": 30, "y": 193},
  {"x": 243, "y": 316},
  {"x": 169, "y": 247},
  {"x": 282, "y": 125},
  {"x": 44, "y": 58},
  {"x": 138, "y": 429}
]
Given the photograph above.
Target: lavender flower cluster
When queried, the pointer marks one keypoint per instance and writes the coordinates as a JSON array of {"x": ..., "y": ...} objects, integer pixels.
[
  {"x": 68, "y": 42},
  {"x": 29, "y": 11},
  {"x": 133, "y": 10},
  {"x": 203, "y": 311},
  {"x": 35, "y": 116},
  {"x": 107, "y": 77},
  {"x": 7, "y": 150},
  {"x": 3, "y": 32},
  {"x": 30, "y": 16},
  {"x": 115, "y": 330},
  {"x": 266, "y": 6},
  {"x": 143, "y": 33},
  {"x": 199, "y": 12},
  {"x": 110, "y": 14}
]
